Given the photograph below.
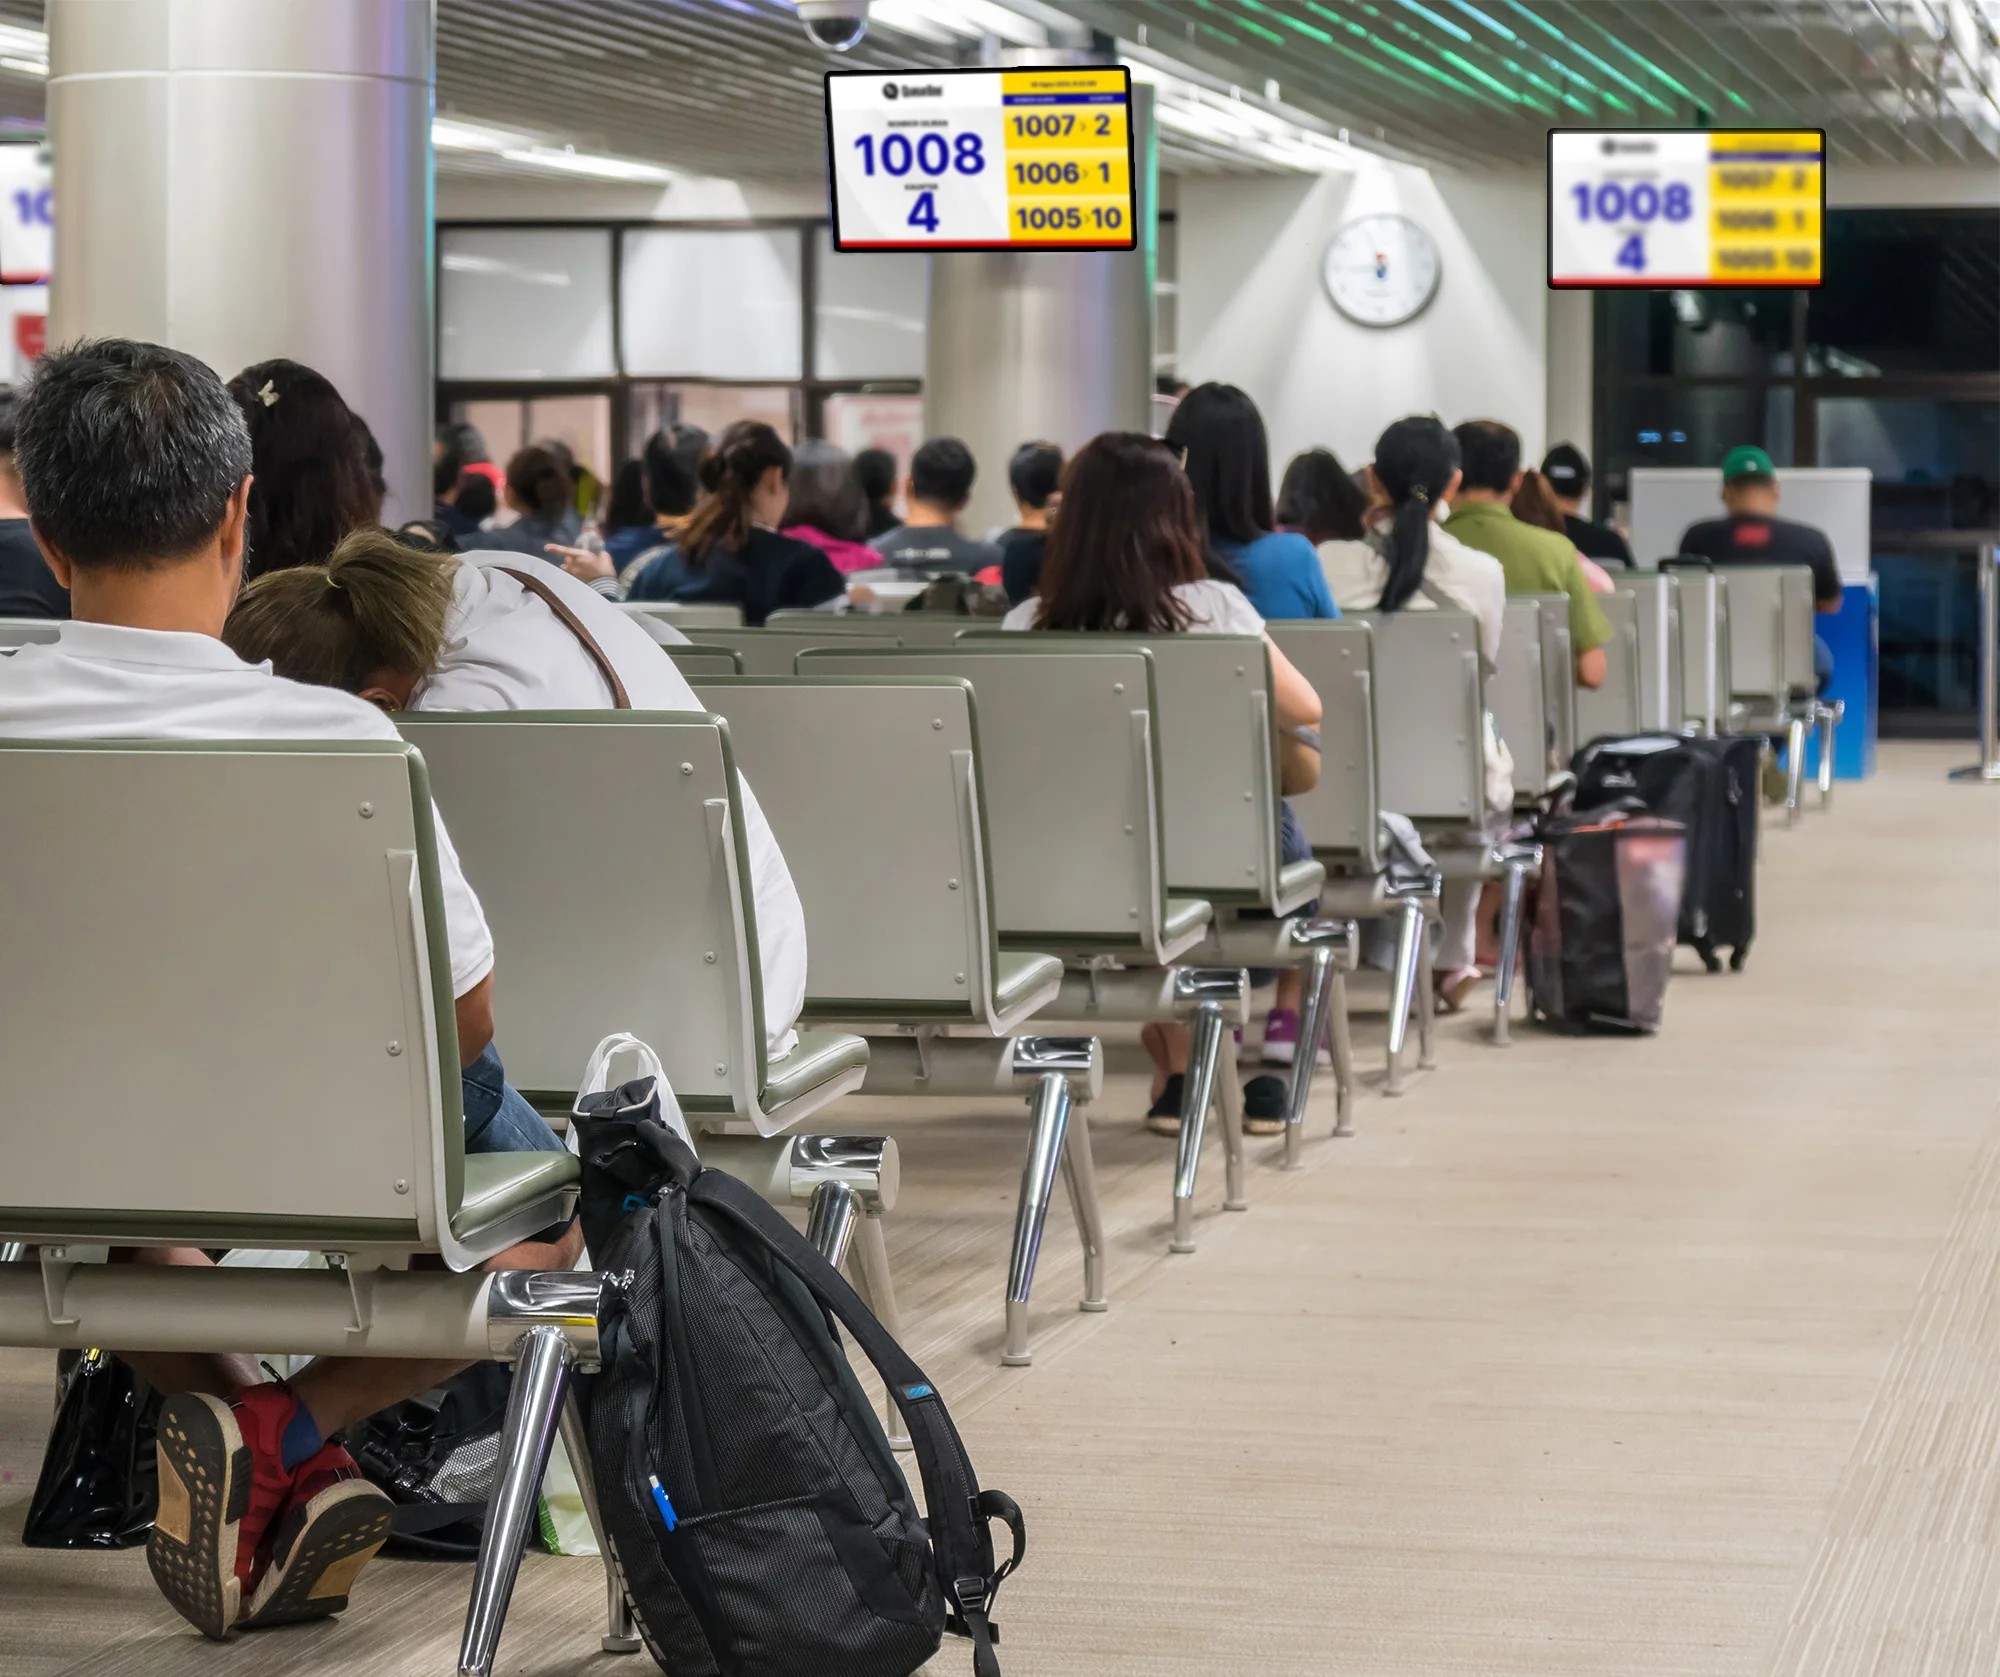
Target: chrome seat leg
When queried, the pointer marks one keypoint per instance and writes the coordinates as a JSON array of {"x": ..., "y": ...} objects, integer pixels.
[
  {"x": 1080, "y": 1177},
  {"x": 1229, "y": 1095},
  {"x": 619, "y": 1635},
  {"x": 541, "y": 1383},
  {"x": 1795, "y": 768},
  {"x": 1426, "y": 999},
  {"x": 1206, "y": 1031},
  {"x": 878, "y": 1290},
  {"x": 1050, "y": 1107},
  {"x": 1829, "y": 722},
  {"x": 1317, "y": 990},
  {"x": 1514, "y": 884},
  {"x": 1403, "y": 987},
  {"x": 830, "y": 1217},
  {"x": 1343, "y": 1052}
]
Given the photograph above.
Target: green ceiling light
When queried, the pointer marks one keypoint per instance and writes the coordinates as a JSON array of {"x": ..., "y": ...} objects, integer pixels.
[
  {"x": 1498, "y": 86},
  {"x": 1443, "y": 23},
  {"x": 1424, "y": 66},
  {"x": 1493, "y": 24},
  {"x": 1306, "y": 29},
  {"x": 1645, "y": 63},
  {"x": 1590, "y": 57}
]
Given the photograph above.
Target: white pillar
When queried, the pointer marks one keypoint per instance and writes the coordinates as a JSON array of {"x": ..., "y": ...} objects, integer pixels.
[
  {"x": 1042, "y": 345},
  {"x": 245, "y": 179}
]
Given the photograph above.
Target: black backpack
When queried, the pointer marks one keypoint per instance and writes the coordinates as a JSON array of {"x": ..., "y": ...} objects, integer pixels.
[{"x": 756, "y": 1514}]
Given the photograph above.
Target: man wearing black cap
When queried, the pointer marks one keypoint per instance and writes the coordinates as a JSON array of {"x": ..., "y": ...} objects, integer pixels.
[{"x": 1569, "y": 477}]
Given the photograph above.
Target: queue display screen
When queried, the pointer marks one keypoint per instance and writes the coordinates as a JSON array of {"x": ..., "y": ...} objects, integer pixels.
[
  {"x": 1686, "y": 207},
  {"x": 981, "y": 159}
]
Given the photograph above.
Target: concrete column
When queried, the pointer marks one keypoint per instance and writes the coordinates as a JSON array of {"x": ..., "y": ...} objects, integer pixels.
[
  {"x": 244, "y": 179},
  {"x": 1570, "y": 353},
  {"x": 1054, "y": 345}
]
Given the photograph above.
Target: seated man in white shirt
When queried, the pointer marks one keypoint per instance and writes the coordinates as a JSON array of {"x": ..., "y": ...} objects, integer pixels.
[
  {"x": 136, "y": 467},
  {"x": 415, "y": 629}
]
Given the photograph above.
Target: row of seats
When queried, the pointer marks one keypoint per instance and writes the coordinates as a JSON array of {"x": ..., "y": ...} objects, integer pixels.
[{"x": 994, "y": 836}]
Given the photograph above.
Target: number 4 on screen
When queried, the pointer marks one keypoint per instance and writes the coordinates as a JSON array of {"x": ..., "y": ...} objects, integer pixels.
[
  {"x": 923, "y": 213},
  {"x": 1632, "y": 253}
]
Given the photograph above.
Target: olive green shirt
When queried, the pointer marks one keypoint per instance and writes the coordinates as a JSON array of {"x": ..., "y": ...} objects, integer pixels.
[{"x": 1536, "y": 561}]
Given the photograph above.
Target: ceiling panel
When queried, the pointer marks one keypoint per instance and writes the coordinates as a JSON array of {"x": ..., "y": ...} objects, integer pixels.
[{"x": 732, "y": 87}]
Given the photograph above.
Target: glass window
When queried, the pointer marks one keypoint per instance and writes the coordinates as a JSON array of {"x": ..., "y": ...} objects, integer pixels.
[
  {"x": 868, "y": 319},
  {"x": 1929, "y": 631},
  {"x": 1680, "y": 425},
  {"x": 711, "y": 304},
  {"x": 1936, "y": 463},
  {"x": 710, "y": 407},
  {"x": 524, "y": 303},
  {"x": 1703, "y": 334},
  {"x": 1907, "y": 291}
]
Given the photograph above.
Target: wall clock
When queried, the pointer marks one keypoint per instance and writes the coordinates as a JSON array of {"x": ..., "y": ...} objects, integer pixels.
[{"x": 1381, "y": 270}]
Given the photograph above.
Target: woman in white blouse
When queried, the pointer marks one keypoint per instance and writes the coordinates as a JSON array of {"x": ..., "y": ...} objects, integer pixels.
[
  {"x": 1128, "y": 554},
  {"x": 1405, "y": 561}
]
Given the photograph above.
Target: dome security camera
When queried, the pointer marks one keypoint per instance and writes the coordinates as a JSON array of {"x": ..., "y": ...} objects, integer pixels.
[{"x": 834, "y": 25}]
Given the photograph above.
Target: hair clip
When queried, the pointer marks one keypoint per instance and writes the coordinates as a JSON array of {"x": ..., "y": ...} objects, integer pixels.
[{"x": 269, "y": 394}]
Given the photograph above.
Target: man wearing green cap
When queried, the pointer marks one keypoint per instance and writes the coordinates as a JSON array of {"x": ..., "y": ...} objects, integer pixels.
[{"x": 1753, "y": 534}]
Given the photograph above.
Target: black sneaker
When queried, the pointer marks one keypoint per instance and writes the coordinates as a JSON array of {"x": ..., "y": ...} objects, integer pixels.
[
  {"x": 1163, "y": 1117},
  {"x": 1264, "y": 1102}
]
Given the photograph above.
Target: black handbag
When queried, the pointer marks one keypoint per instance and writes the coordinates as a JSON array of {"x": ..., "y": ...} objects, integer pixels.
[{"x": 99, "y": 1484}]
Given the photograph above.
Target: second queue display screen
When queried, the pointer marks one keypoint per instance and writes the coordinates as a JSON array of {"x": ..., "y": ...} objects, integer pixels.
[{"x": 981, "y": 159}]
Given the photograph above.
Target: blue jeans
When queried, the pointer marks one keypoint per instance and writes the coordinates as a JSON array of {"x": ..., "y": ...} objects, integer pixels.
[{"x": 497, "y": 1118}]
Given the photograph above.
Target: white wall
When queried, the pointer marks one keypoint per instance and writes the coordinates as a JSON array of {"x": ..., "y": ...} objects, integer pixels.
[{"x": 1254, "y": 313}]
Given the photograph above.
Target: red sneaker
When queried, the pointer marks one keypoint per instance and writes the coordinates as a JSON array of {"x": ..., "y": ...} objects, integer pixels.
[
  {"x": 224, "y": 1493},
  {"x": 221, "y": 1483},
  {"x": 331, "y": 1527}
]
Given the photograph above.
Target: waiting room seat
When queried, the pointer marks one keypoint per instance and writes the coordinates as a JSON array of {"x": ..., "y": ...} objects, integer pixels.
[
  {"x": 1707, "y": 656},
  {"x": 697, "y": 659},
  {"x": 1771, "y": 672},
  {"x": 27, "y": 631},
  {"x": 1518, "y": 694},
  {"x": 773, "y": 651},
  {"x": 1559, "y": 689},
  {"x": 911, "y": 628},
  {"x": 1078, "y": 850},
  {"x": 235, "y": 954},
  {"x": 874, "y": 786},
  {"x": 1656, "y": 599},
  {"x": 1614, "y": 708},
  {"x": 688, "y": 614}
]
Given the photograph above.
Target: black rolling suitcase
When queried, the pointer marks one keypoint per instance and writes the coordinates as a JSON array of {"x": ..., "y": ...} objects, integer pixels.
[{"x": 1710, "y": 786}]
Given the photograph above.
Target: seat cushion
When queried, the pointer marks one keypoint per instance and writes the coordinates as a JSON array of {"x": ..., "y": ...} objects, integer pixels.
[
  {"x": 499, "y": 1184},
  {"x": 818, "y": 1058},
  {"x": 1017, "y": 975}
]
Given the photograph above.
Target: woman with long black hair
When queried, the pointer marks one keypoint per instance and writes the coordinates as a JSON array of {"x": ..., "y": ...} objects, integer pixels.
[{"x": 1406, "y": 562}]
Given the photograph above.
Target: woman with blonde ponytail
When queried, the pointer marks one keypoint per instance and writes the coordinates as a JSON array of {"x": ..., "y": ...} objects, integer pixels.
[{"x": 415, "y": 630}]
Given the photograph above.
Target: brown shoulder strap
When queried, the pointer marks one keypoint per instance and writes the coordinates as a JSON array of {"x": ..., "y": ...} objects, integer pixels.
[{"x": 570, "y": 621}]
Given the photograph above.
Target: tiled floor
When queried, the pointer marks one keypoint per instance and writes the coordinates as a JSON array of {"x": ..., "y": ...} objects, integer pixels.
[{"x": 1600, "y": 1356}]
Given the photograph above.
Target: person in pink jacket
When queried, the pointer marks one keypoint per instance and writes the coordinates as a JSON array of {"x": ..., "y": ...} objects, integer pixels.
[{"x": 828, "y": 507}]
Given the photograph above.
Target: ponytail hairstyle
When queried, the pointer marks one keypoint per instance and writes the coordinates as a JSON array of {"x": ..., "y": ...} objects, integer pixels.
[
  {"x": 1415, "y": 461},
  {"x": 731, "y": 469},
  {"x": 376, "y": 604},
  {"x": 537, "y": 479}
]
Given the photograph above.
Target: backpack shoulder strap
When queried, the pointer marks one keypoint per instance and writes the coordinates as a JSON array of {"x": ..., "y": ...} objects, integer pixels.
[
  {"x": 959, "y": 1510},
  {"x": 574, "y": 624}
]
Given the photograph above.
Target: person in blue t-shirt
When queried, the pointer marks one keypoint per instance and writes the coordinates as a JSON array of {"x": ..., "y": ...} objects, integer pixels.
[{"x": 1220, "y": 436}]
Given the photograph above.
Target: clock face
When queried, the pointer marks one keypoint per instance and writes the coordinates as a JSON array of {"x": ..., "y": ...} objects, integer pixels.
[{"x": 1381, "y": 270}]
